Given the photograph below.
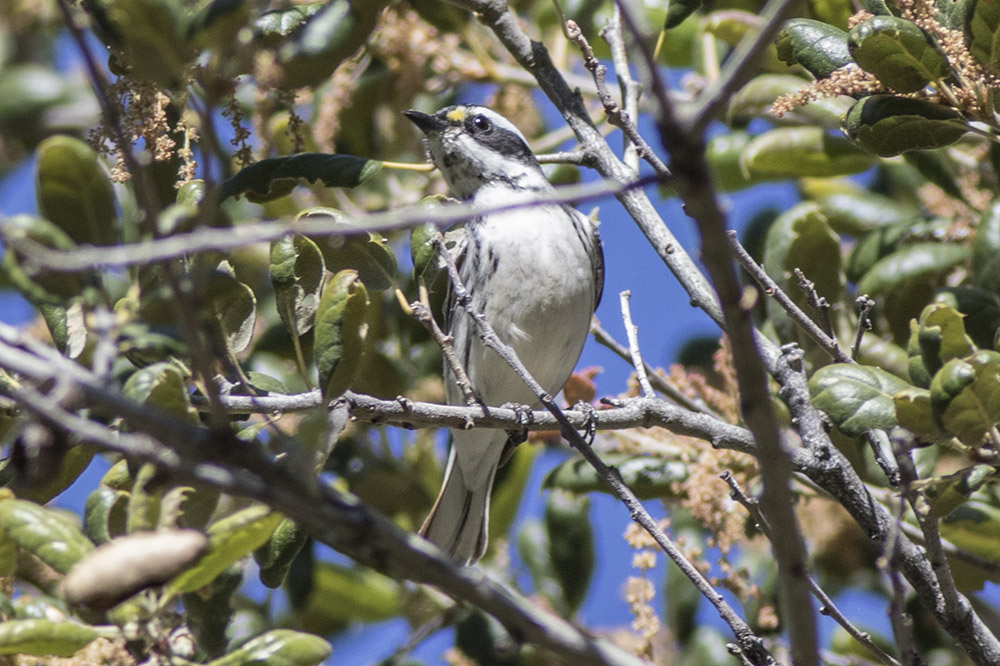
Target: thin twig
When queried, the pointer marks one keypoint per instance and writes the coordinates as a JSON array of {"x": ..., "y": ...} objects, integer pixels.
[
  {"x": 633, "y": 345},
  {"x": 616, "y": 115},
  {"x": 885, "y": 463},
  {"x": 771, "y": 288},
  {"x": 578, "y": 157},
  {"x": 899, "y": 619},
  {"x": 422, "y": 313},
  {"x": 864, "y": 304},
  {"x": 828, "y": 607},
  {"x": 951, "y": 600},
  {"x": 819, "y": 304},
  {"x": 630, "y": 89},
  {"x": 662, "y": 384},
  {"x": 209, "y": 239},
  {"x": 740, "y": 66}
]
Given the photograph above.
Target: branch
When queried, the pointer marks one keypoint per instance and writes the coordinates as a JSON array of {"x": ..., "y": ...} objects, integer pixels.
[
  {"x": 208, "y": 239},
  {"x": 825, "y": 466},
  {"x": 337, "y": 519},
  {"x": 533, "y": 57},
  {"x": 616, "y": 115},
  {"x": 662, "y": 384},
  {"x": 750, "y": 645},
  {"x": 739, "y": 67},
  {"x": 630, "y": 90},
  {"x": 633, "y": 346},
  {"x": 771, "y": 288},
  {"x": 827, "y": 607}
]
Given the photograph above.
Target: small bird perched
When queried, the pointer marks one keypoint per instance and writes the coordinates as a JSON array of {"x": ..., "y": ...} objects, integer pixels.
[{"x": 535, "y": 273}]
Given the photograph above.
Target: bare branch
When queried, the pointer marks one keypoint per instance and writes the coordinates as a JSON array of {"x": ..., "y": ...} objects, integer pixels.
[
  {"x": 771, "y": 288},
  {"x": 633, "y": 346},
  {"x": 865, "y": 306},
  {"x": 827, "y": 607},
  {"x": 336, "y": 519},
  {"x": 616, "y": 115},
  {"x": 207, "y": 239},
  {"x": 750, "y": 644},
  {"x": 661, "y": 384},
  {"x": 738, "y": 69}
]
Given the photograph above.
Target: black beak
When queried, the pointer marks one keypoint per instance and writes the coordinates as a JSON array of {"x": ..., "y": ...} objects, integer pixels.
[{"x": 428, "y": 124}]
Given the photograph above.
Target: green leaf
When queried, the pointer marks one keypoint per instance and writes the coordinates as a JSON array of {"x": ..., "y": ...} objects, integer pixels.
[
  {"x": 678, "y": 10},
  {"x": 73, "y": 191},
  {"x": 754, "y": 100},
  {"x": 818, "y": 47},
  {"x": 53, "y": 538},
  {"x": 980, "y": 309},
  {"x": 965, "y": 396},
  {"x": 341, "y": 329},
  {"x": 162, "y": 385},
  {"x": 234, "y": 308},
  {"x": 230, "y": 539},
  {"x": 986, "y": 249},
  {"x": 124, "y": 566},
  {"x": 910, "y": 263},
  {"x": 975, "y": 528},
  {"x": 941, "y": 336},
  {"x": 731, "y": 25},
  {"x": 37, "y": 285},
  {"x": 328, "y": 37},
  {"x": 533, "y": 549},
  {"x": 44, "y": 638},
  {"x": 209, "y": 611},
  {"x": 8, "y": 555},
  {"x": 297, "y": 270},
  {"x": 648, "y": 477},
  {"x": 897, "y": 52},
  {"x": 856, "y": 398},
  {"x": 888, "y": 125},
  {"x": 913, "y": 412},
  {"x": 982, "y": 32},
  {"x": 855, "y": 211},
  {"x": 947, "y": 493},
  {"x": 423, "y": 253},
  {"x": 104, "y": 514},
  {"x": 75, "y": 461},
  {"x": 276, "y": 556},
  {"x": 792, "y": 152},
  {"x": 362, "y": 251},
  {"x": 571, "y": 544},
  {"x": 152, "y": 39},
  {"x": 724, "y": 153},
  {"x": 508, "y": 490},
  {"x": 26, "y": 91},
  {"x": 938, "y": 169},
  {"x": 278, "y": 647},
  {"x": 801, "y": 238},
  {"x": 343, "y": 595},
  {"x": 218, "y": 24},
  {"x": 275, "y": 177},
  {"x": 273, "y": 26},
  {"x": 67, "y": 326}
]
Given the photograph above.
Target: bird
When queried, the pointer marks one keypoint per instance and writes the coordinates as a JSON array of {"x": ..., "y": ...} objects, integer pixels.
[{"x": 535, "y": 273}]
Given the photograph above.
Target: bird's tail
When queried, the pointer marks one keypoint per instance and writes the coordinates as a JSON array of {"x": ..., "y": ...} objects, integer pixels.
[{"x": 459, "y": 520}]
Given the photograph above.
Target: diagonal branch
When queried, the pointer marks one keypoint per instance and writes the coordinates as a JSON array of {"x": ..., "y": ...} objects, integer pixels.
[{"x": 750, "y": 645}]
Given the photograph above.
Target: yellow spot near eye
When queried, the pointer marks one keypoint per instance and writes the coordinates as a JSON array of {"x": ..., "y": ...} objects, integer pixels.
[{"x": 457, "y": 114}]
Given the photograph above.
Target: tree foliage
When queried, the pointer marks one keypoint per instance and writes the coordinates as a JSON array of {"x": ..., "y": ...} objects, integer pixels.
[{"x": 227, "y": 317}]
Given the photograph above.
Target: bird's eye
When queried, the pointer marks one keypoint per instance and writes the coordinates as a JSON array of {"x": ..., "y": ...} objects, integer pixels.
[{"x": 482, "y": 123}]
